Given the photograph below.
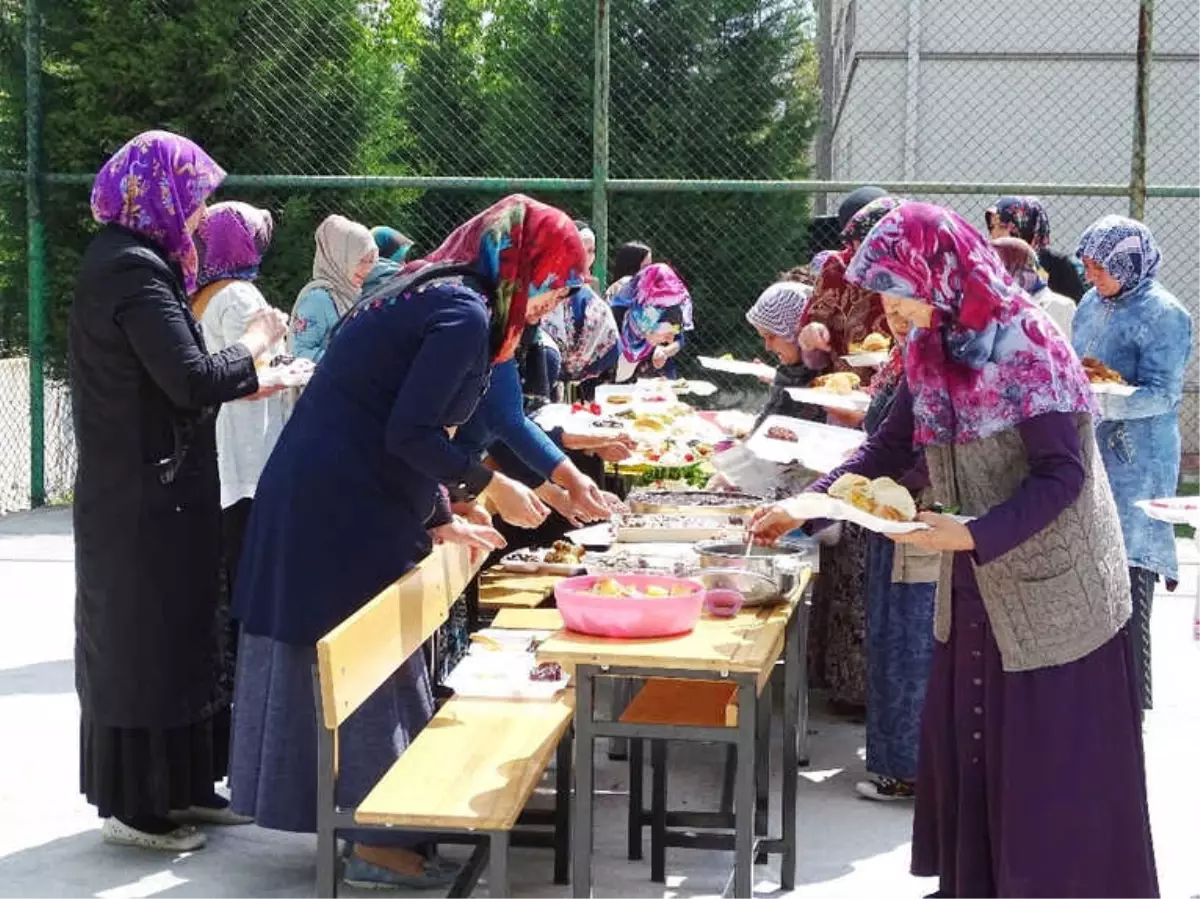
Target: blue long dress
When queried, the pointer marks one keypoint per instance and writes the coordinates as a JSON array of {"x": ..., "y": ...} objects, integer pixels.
[{"x": 341, "y": 511}]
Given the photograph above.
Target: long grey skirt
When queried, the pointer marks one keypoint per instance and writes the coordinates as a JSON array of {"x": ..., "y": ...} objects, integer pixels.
[{"x": 273, "y": 758}]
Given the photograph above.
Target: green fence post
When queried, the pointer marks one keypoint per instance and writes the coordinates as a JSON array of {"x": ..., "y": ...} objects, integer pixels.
[
  {"x": 600, "y": 142},
  {"x": 35, "y": 250},
  {"x": 1141, "y": 106}
]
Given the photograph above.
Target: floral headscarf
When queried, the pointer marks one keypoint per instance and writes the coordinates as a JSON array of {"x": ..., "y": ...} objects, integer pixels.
[
  {"x": 818, "y": 261},
  {"x": 992, "y": 358},
  {"x": 651, "y": 291},
  {"x": 584, "y": 330},
  {"x": 1021, "y": 263},
  {"x": 152, "y": 186},
  {"x": 1027, "y": 215},
  {"x": 865, "y": 219},
  {"x": 391, "y": 243},
  {"x": 1125, "y": 248},
  {"x": 231, "y": 241},
  {"x": 522, "y": 248},
  {"x": 780, "y": 309},
  {"x": 341, "y": 246}
]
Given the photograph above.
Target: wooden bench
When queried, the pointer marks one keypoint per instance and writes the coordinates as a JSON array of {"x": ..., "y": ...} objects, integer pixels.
[
  {"x": 504, "y": 590},
  {"x": 470, "y": 773},
  {"x": 687, "y": 703}
]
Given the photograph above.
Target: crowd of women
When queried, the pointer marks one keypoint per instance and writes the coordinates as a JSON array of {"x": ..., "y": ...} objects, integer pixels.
[{"x": 1002, "y": 659}]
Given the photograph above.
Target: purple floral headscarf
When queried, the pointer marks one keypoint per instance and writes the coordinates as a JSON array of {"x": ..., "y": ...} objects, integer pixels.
[
  {"x": 231, "y": 241},
  {"x": 991, "y": 358},
  {"x": 1027, "y": 215},
  {"x": 152, "y": 186}
]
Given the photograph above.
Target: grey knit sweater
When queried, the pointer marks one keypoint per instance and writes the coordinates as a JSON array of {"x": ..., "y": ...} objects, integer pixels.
[{"x": 1063, "y": 592}]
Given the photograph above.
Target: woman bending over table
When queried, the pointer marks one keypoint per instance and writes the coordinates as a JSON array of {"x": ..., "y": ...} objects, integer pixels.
[{"x": 1030, "y": 776}]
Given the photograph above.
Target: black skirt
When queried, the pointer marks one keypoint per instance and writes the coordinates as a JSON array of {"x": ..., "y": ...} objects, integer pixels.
[{"x": 127, "y": 772}]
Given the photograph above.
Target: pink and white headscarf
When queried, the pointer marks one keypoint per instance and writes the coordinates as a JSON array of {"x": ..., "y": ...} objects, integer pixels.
[{"x": 992, "y": 358}]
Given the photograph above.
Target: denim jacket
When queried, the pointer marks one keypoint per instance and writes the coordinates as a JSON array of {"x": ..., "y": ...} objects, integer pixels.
[{"x": 1146, "y": 336}]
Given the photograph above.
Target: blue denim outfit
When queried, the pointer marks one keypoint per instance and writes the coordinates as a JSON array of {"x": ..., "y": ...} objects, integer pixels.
[{"x": 1145, "y": 335}]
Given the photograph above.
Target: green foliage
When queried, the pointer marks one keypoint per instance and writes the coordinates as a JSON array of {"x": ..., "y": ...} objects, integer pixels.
[{"x": 700, "y": 89}]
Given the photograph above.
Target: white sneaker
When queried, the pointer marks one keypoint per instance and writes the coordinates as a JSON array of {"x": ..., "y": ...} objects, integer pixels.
[{"x": 181, "y": 839}]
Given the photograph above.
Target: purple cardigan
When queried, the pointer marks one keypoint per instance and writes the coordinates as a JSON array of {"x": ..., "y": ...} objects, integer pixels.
[{"x": 1056, "y": 474}]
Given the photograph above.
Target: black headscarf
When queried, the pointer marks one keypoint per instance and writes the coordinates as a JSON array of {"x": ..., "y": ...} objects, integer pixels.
[{"x": 855, "y": 201}]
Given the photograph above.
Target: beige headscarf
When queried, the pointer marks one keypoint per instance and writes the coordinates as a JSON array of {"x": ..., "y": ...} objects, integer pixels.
[{"x": 341, "y": 246}]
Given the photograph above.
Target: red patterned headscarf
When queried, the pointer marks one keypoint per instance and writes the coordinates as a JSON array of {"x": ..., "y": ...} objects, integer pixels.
[{"x": 523, "y": 248}]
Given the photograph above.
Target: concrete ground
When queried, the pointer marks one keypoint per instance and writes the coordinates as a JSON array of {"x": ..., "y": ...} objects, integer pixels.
[{"x": 49, "y": 845}]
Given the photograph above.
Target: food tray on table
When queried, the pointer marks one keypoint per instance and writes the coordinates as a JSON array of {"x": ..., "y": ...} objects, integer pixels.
[
  {"x": 505, "y": 675},
  {"x": 854, "y": 401},
  {"x": 693, "y": 502},
  {"x": 818, "y": 447},
  {"x": 657, "y": 528},
  {"x": 676, "y": 559},
  {"x": 738, "y": 367},
  {"x": 680, "y": 386},
  {"x": 1173, "y": 510},
  {"x": 563, "y": 559},
  {"x": 629, "y": 606}
]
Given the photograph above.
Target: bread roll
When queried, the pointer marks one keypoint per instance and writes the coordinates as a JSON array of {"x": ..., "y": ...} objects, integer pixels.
[{"x": 892, "y": 501}]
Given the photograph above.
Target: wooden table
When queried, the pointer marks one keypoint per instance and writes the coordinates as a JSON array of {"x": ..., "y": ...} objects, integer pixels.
[
  {"x": 743, "y": 649},
  {"x": 505, "y": 590}
]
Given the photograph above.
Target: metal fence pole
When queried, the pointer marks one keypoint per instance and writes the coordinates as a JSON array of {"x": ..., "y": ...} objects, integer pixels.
[
  {"x": 35, "y": 253},
  {"x": 600, "y": 141},
  {"x": 1137, "y": 173}
]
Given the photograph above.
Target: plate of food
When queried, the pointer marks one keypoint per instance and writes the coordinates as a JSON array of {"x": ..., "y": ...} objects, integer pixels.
[
  {"x": 284, "y": 370},
  {"x": 880, "y": 505},
  {"x": 693, "y": 502},
  {"x": 563, "y": 558},
  {"x": 732, "y": 366},
  {"x": 818, "y": 447},
  {"x": 679, "y": 387},
  {"x": 506, "y": 675},
  {"x": 1104, "y": 379},
  {"x": 640, "y": 395},
  {"x": 871, "y": 352},
  {"x": 690, "y": 528},
  {"x": 840, "y": 390},
  {"x": 1173, "y": 509}
]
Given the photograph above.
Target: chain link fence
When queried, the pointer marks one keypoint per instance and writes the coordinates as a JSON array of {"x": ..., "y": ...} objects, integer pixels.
[{"x": 728, "y": 124}]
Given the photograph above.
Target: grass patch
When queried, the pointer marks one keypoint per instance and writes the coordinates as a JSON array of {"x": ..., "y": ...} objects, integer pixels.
[{"x": 1189, "y": 485}]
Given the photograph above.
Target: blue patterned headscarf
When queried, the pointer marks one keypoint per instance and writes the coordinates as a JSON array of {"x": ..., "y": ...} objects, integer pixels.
[{"x": 1124, "y": 247}]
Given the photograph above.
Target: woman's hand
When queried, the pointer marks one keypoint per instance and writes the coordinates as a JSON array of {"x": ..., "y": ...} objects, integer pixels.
[
  {"x": 480, "y": 537},
  {"x": 815, "y": 337},
  {"x": 945, "y": 534},
  {"x": 265, "y": 329},
  {"x": 474, "y": 513},
  {"x": 586, "y": 497},
  {"x": 768, "y": 523},
  {"x": 615, "y": 504},
  {"x": 560, "y": 501},
  {"x": 514, "y": 502}
]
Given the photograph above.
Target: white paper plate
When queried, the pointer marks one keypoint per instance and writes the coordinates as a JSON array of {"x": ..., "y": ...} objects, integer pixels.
[
  {"x": 681, "y": 387},
  {"x": 819, "y": 505},
  {"x": 1173, "y": 510},
  {"x": 501, "y": 675},
  {"x": 638, "y": 392},
  {"x": 737, "y": 367},
  {"x": 593, "y": 535},
  {"x": 521, "y": 566},
  {"x": 866, "y": 360},
  {"x": 818, "y": 447},
  {"x": 1114, "y": 389},
  {"x": 855, "y": 401}
]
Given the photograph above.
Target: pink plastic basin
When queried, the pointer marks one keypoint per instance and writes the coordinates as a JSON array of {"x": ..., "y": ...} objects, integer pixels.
[{"x": 628, "y": 617}]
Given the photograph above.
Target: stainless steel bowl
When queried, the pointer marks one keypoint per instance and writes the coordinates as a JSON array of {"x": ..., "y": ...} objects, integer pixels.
[{"x": 780, "y": 564}]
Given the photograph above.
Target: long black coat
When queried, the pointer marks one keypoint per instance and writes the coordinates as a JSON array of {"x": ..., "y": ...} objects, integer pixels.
[{"x": 144, "y": 394}]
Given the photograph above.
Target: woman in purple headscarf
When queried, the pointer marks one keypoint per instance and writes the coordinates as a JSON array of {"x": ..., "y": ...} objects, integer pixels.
[{"x": 154, "y": 715}]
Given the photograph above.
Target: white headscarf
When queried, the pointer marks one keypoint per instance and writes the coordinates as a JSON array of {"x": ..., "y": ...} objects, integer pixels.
[
  {"x": 780, "y": 309},
  {"x": 341, "y": 246}
]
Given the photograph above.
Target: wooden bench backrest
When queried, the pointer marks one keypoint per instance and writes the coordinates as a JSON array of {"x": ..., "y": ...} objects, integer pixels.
[{"x": 362, "y": 652}]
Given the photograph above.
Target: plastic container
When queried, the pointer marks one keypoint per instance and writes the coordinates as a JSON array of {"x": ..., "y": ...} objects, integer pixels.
[
  {"x": 723, "y": 603},
  {"x": 629, "y": 617}
]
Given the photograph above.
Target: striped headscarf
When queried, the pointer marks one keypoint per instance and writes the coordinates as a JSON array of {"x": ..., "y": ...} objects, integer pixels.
[{"x": 779, "y": 309}]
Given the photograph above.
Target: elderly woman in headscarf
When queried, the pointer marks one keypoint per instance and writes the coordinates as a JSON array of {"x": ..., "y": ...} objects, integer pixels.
[
  {"x": 1030, "y": 776},
  {"x": 1133, "y": 325},
  {"x": 1027, "y": 219},
  {"x": 154, "y": 722},
  {"x": 1021, "y": 263},
  {"x": 346, "y": 254},
  {"x": 776, "y": 316},
  {"x": 655, "y": 312},
  {"x": 231, "y": 241},
  {"x": 351, "y": 499}
]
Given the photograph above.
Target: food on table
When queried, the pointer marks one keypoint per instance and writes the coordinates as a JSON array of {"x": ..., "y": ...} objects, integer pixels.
[
  {"x": 704, "y": 499},
  {"x": 608, "y": 586},
  {"x": 728, "y": 356},
  {"x": 872, "y": 343},
  {"x": 619, "y": 399},
  {"x": 1099, "y": 373},
  {"x": 626, "y": 414},
  {"x": 649, "y": 423},
  {"x": 842, "y": 382},
  {"x": 486, "y": 642},
  {"x": 882, "y": 497},
  {"x": 564, "y": 553},
  {"x": 679, "y": 522},
  {"x": 607, "y": 423},
  {"x": 546, "y": 672},
  {"x": 591, "y": 408},
  {"x": 775, "y": 432}
]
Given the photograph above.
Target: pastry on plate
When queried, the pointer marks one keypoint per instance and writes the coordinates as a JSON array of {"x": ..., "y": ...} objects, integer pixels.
[
  {"x": 842, "y": 382},
  {"x": 1099, "y": 373},
  {"x": 891, "y": 501},
  {"x": 872, "y": 343}
]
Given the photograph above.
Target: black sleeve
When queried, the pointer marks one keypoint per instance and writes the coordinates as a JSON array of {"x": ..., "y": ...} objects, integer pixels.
[
  {"x": 155, "y": 321},
  {"x": 1062, "y": 275}
]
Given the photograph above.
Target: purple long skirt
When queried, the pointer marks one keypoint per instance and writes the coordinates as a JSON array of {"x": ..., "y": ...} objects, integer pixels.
[{"x": 1030, "y": 783}]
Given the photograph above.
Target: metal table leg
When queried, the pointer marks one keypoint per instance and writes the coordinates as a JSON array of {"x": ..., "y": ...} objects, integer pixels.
[
  {"x": 581, "y": 845},
  {"x": 794, "y": 699},
  {"x": 636, "y": 799},
  {"x": 562, "y": 810},
  {"x": 744, "y": 798},
  {"x": 622, "y": 693},
  {"x": 762, "y": 796},
  {"x": 498, "y": 863}
]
